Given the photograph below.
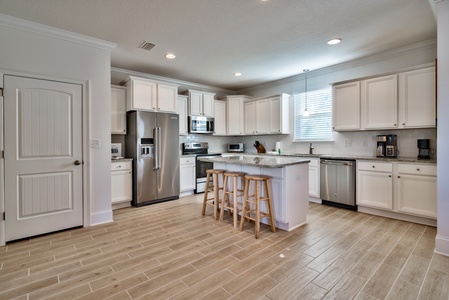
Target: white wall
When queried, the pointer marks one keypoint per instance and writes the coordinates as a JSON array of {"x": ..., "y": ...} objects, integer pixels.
[
  {"x": 37, "y": 50},
  {"x": 442, "y": 240}
]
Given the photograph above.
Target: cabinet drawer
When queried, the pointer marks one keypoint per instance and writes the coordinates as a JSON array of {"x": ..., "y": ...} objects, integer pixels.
[
  {"x": 186, "y": 160},
  {"x": 417, "y": 169},
  {"x": 121, "y": 165},
  {"x": 375, "y": 166}
]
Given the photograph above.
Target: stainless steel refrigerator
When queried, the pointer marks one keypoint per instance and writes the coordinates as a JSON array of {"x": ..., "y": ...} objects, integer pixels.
[{"x": 152, "y": 140}]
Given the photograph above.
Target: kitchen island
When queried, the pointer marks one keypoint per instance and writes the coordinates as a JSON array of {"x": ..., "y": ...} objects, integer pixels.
[{"x": 289, "y": 184}]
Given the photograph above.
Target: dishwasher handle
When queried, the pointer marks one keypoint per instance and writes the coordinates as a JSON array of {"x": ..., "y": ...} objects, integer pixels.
[{"x": 337, "y": 162}]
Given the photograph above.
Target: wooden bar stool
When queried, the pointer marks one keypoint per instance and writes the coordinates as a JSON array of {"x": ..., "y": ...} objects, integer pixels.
[
  {"x": 251, "y": 203},
  {"x": 214, "y": 188},
  {"x": 234, "y": 192}
]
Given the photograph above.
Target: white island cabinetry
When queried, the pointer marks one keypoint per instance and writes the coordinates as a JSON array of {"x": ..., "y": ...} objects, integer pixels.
[{"x": 289, "y": 184}]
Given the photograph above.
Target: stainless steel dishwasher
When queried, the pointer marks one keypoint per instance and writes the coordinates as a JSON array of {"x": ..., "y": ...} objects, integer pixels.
[{"x": 337, "y": 183}]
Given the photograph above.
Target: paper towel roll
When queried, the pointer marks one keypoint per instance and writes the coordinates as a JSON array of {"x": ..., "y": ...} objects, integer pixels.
[{"x": 278, "y": 147}]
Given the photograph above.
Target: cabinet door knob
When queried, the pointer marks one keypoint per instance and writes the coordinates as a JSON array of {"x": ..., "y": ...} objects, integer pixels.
[
  {"x": 417, "y": 169},
  {"x": 374, "y": 167},
  {"x": 403, "y": 124},
  {"x": 389, "y": 176},
  {"x": 394, "y": 125},
  {"x": 399, "y": 176}
]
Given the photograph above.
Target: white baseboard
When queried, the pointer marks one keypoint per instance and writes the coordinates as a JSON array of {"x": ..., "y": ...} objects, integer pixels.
[
  {"x": 101, "y": 217},
  {"x": 398, "y": 216},
  {"x": 442, "y": 245}
]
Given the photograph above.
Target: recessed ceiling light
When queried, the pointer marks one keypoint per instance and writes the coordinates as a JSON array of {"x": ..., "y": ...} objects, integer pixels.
[
  {"x": 170, "y": 55},
  {"x": 237, "y": 74},
  {"x": 334, "y": 41}
]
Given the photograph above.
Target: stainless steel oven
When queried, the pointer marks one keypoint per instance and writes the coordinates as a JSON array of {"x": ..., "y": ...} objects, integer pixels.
[{"x": 199, "y": 150}]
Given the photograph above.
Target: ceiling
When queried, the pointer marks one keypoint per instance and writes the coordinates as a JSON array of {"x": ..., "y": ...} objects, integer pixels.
[{"x": 212, "y": 39}]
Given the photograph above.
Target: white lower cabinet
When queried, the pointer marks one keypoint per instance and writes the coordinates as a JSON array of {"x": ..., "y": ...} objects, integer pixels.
[
  {"x": 187, "y": 174},
  {"x": 403, "y": 188},
  {"x": 417, "y": 190},
  {"x": 314, "y": 178},
  {"x": 375, "y": 184},
  {"x": 121, "y": 182}
]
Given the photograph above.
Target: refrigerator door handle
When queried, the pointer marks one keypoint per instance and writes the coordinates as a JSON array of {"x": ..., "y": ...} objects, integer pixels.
[{"x": 157, "y": 148}]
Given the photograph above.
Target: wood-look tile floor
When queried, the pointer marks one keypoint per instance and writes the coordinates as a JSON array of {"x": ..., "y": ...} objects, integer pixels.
[{"x": 170, "y": 251}]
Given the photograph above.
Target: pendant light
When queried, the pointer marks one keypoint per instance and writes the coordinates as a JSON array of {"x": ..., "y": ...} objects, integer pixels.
[{"x": 306, "y": 113}]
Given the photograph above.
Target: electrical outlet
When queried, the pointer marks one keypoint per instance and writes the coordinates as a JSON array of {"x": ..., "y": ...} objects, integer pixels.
[
  {"x": 348, "y": 143},
  {"x": 95, "y": 143},
  {"x": 364, "y": 143}
]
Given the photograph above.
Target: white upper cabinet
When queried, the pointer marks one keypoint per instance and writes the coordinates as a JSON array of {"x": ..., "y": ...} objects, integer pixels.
[
  {"x": 118, "y": 110},
  {"x": 262, "y": 117},
  {"x": 145, "y": 94},
  {"x": 379, "y": 102},
  {"x": 417, "y": 98},
  {"x": 278, "y": 111},
  {"x": 346, "y": 106},
  {"x": 250, "y": 117},
  {"x": 220, "y": 117},
  {"x": 257, "y": 117},
  {"x": 201, "y": 103},
  {"x": 182, "y": 112},
  {"x": 167, "y": 97},
  {"x": 235, "y": 114}
]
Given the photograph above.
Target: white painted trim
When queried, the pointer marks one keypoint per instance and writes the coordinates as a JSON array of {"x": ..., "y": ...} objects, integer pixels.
[
  {"x": 184, "y": 84},
  {"x": 429, "y": 44},
  {"x": 101, "y": 217},
  {"x": 397, "y": 216},
  {"x": 85, "y": 150},
  {"x": 442, "y": 244},
  {"x": 37, "y": 28}
]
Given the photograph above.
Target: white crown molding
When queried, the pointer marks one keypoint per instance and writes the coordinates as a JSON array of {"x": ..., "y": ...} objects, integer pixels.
[
  {"x": 428, "y": 44},
  {"x": 45, "y": 30},
  {"x": 184, "y": 85}
]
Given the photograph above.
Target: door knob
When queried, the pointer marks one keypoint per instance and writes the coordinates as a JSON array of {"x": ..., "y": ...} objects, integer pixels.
[{"x": 77, "y": 162}]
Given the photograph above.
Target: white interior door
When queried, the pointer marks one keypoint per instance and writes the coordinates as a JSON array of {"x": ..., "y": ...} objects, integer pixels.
[{"x": 43, "y": 155}]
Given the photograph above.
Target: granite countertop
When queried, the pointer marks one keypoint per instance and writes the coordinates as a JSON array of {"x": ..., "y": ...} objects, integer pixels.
[
  {"x": 258, "y": 160},
  {"x": 349, "y": 157},
  {"x": 121, "y": 159}
]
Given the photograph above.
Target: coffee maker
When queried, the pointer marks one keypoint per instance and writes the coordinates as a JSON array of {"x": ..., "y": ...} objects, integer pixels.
[
  {"x": 423, "y": 149},
  {"x": 387, "y": 146}
]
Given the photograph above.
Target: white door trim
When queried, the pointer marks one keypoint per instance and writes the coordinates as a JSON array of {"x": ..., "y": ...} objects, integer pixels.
[{"x": 85, "y": 140}]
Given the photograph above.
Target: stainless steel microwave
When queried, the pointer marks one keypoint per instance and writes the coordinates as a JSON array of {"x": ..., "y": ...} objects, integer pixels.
[
  {"x": 235, "y": 147},
  {"x": 201, "y": 124}
]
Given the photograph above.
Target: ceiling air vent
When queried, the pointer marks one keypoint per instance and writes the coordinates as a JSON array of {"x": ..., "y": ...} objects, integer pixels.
[{"x": 147, "y": 46}]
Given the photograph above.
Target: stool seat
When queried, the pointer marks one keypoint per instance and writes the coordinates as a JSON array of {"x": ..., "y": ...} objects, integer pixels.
[
  {"x": 233, "y": 206},
  {"x": 214, "y": 188},
  {"x": 251, "y": 203}
]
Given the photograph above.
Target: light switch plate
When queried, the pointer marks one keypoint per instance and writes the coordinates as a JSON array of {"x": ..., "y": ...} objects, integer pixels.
[{"x": 95, "y": 143}]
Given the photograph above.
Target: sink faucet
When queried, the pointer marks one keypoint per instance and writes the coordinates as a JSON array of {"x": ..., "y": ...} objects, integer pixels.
[{"x": 311, "y": 148}]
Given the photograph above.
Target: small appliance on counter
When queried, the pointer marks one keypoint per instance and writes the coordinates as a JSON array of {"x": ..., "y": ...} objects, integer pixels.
[
  {"x": 116, "y": 150},
  {"x": 236, "y": 147},
  {"x": 423, "y": 149},
  {"x": 387, "y": 146}
]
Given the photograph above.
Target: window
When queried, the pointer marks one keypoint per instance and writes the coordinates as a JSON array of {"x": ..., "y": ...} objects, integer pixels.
[{"x": 318, "y": 125}]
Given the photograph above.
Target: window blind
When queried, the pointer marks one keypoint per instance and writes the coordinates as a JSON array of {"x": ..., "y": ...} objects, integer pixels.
[{"x": 318, "y": 125}]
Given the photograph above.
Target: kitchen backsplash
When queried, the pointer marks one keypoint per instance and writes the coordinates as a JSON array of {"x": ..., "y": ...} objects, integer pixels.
[{"x": 360, "y": 143}]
